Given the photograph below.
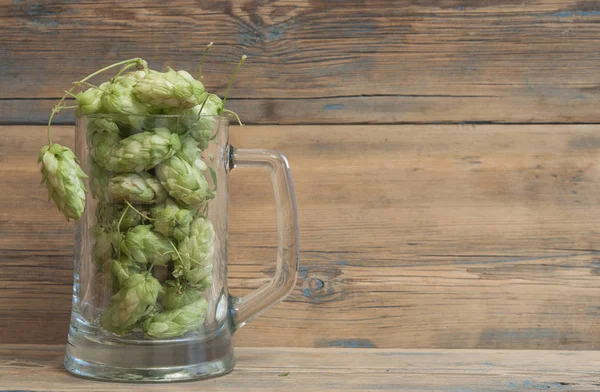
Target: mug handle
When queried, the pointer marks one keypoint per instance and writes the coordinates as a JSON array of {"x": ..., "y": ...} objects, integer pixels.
[{"x": 243, "y": 309}]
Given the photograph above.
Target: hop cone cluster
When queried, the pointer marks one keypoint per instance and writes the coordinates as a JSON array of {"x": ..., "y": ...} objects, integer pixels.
[{"x": 153, "y": 247}]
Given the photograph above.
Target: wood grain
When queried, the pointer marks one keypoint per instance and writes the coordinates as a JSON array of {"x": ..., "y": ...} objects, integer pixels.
[
  {"x": 39, "y": 368},
  {"x": 438, "y": 236},
  {"x": 317, "y": 61}
]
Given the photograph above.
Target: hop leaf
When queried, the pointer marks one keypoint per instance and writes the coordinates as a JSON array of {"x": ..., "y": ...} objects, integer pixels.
[
  {"x": 146, "y": 246},
  {"x": 171, "y": 220},
  {"x": 135, "y": 298},
  {"x": 89, "y": 101},
  {"x": 168, "y": 90},
  {"x": 196, "y": 255},
  {"x": 136, "y": 188},
  {"x": 142, "y": 151},
  {"x": 63, "y": 178},
  {"x": 184, "y": 182},
  {"x": 177, "y": 296},
  {"x": 176, "y": 322}
]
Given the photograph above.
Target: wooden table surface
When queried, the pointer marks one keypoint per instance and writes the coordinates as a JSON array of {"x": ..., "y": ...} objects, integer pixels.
[
  {"x": 446, "y": 155},
  {"x": 39, "y": 368}
]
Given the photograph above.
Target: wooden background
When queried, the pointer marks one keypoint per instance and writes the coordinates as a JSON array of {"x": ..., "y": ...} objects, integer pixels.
[{"x": 445, "y": 153}]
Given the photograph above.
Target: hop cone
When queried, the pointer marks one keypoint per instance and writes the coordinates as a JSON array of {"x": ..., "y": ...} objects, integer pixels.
[
  {"x": 196, "y": 255},
  {"x": 89, "y": 101},
  {"x": 136, "y": 188},
  {"x": 103, "y": 134},
  {"x": 176, "y": 296},
  {"x": 146, "y": 246},
  {"x": 99, "y": 182},
  {"x": 168, "y": 90},
  {"x": 118, "y": 98},
  {"x": 176, "y": 322},
  {"x": 202, "y": 124},
  {"x": 171, "y": 220},
  {"x": 102, "y": 249},
  {"x": 109, "y": 215},
  {"x": 135, "y": 299},
  {"x": 130, "y": 79},
  {"x": 142, "y": 151},
  {"x": 123, "y": 268},
  {"x": 200, "y": 92},
  {"x": 63, "y": 178},
  {"x": 191, "y": 153},
  {"x": 184, "y": 182}
]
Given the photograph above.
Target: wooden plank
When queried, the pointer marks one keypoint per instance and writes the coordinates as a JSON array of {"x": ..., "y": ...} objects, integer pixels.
[
  {"x": 319, "y": 62},
  {"x": 440, "y": 236},
  {"x": 39, "y": 368}
]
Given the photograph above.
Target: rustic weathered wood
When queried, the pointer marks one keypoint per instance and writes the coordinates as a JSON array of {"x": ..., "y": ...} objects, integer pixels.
[
  {"x": 39, "y": 368},
  {"x": 441, "y": 236},
  {"x": 319, "y": 61}
]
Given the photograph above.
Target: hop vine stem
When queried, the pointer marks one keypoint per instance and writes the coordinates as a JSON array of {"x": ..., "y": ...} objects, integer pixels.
[
  {"x": 58, "y": 107},
  {"x": 244, "y": 57},
  {"x": 202, "y": 60}
]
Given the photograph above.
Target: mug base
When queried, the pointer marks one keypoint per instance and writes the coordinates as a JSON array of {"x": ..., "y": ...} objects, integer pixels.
[
  {"x": 105, "y": 372},
  {"x": 93, "y": 354}
]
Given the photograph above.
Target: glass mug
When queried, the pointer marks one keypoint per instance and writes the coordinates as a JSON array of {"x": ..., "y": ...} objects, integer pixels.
[{"x": 150, "y": 298}]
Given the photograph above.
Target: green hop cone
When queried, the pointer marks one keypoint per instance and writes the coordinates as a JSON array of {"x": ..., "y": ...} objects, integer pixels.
[
  {"x": 103, "y": 134},
  {"x": 142, "y": 151},
  {"x": 123, "y": 268},
  {"x": 89, "y": 101},
  {"x": 177, "y": 296},
  {"x": 130, "y": 79},
  {"x": 146, "y": 246},
  {"x": 213, "y": 106},
  {"x": 199, "y": 91},
  {"x": 136, "y": 298},
  {"x": 184, "y": 182},
  {"x": 102, "y": 248},
  {"x": 136, "y": 188},
  {"x": 99, "y": 182},
  {"x": 63, "y": 178},
  {"x": 169, "y": 90},
  {"x": 171, "y": 220},
  {"x": 138, "y": 121},
  {"x": 191, "y": 153},
  {"x": 202, "y": 124},
  {"x": 176, "y": 322},
  {"x": 196, "y": 255},
  {"x": 109, "y": 215},
  {"x": 118, "y": 98}
]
